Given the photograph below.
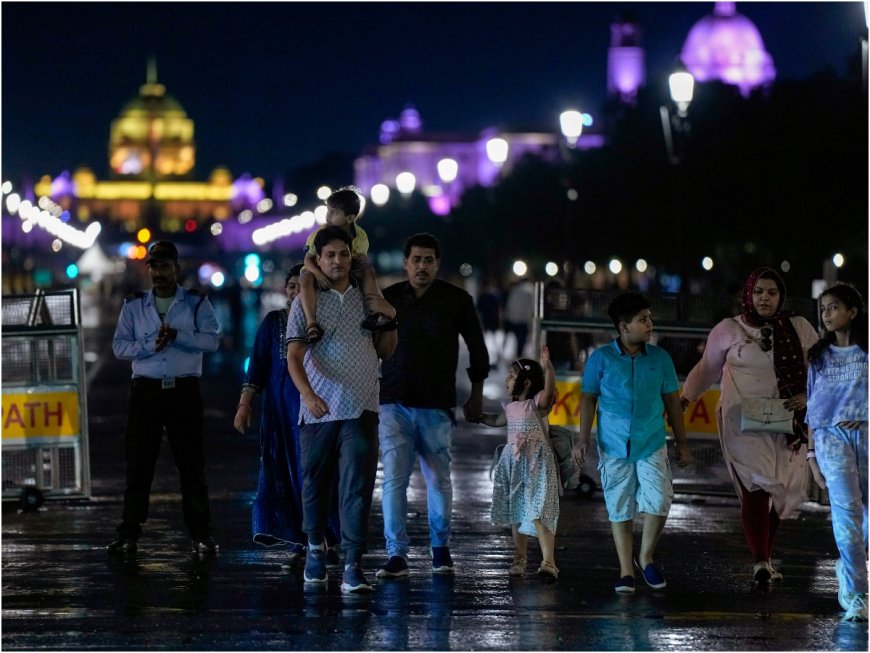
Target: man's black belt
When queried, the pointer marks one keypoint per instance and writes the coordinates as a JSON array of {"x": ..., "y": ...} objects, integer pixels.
[{"x": 169, "y": 383}]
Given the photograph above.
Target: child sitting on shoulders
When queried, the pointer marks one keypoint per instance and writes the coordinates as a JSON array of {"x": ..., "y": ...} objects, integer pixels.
[
  {"x": 525, "y": 493},
  {"x": 343, "y": 209}
]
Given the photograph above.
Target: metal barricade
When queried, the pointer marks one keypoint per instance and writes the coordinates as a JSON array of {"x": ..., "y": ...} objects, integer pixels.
[
  {"x": 45, "y": 425},
  {"x": 574, "y": 322}
]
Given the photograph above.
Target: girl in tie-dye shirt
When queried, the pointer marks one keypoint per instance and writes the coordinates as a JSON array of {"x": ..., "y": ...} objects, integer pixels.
[{"x": 837, "y": 449}]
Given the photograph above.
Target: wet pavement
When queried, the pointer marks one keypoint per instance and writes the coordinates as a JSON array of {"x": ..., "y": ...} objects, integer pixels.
[{"x": 62, "y": 591}]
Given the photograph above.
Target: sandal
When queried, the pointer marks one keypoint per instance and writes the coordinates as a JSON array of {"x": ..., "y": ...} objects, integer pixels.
[
  {"x": 548, "y": 570},
  {"x": 313, "y": 333},
  {"x": 518, "y": 566}
]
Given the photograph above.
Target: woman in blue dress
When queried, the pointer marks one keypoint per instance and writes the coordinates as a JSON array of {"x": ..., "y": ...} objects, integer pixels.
[{"x": 276, "y": 515}]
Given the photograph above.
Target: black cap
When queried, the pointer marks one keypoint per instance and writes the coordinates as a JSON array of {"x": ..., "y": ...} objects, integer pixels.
[{"x": 162, "y": 250}]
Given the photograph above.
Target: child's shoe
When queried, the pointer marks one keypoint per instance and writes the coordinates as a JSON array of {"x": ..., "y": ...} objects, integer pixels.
[
  {"x": 518, "y": 566},
  {"x": 624, "y": 585},
  {"x": 548, "y": 570}
]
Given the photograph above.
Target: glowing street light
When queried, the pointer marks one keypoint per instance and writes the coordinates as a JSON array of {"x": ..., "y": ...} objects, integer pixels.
[
  {"x": 448, "y": 169},
  {"x": 497, "y": 151},
  {"x": 571, "y": 123},
  {"x": 380, "y": 194},
  {"x": 682, "y": 86},
  {"x": 838, "y": 260},
  {"x": 405, "y": 182},
  {"x": 615, "y": 265},
  {"x": 520, "y": 268},
  {"x": 707, "y": 263},
  {"x": 552, "y": 269}
]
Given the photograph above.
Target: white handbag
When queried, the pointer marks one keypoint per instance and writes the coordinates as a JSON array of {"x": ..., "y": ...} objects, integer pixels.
[{"x": 764, "y": 414}]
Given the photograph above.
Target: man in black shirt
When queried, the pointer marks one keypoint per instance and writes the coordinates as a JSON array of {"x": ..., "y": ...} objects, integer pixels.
[{"x": 418, "y": 396}]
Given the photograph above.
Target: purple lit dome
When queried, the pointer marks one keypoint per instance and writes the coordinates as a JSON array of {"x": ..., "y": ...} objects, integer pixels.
[{"x": 726, "y": 46}]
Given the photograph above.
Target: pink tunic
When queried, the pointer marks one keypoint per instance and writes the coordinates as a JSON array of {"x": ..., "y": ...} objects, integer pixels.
[{"x": 759, "y": 460}]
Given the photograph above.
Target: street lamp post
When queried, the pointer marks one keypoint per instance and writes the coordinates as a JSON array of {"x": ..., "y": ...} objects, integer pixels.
[
  {"x": 676, "y": 124},
  {"x": 571, "y": 124},
  {"x": 682, "y": 86}
]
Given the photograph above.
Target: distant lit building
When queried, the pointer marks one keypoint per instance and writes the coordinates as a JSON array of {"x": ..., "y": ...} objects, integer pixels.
[
  {"x": 723, "y": 46},
  {"x": 477, "y": 159},
  {"x": 152, "y": 153},
  {"x": 726, "y": 46}
]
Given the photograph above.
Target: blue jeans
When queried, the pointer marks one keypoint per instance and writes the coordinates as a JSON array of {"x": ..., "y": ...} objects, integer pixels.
[
  {"x": 842, "y": 457},
  {"x": 403, "y": 433},
  {"x": 347, "y": 448}
]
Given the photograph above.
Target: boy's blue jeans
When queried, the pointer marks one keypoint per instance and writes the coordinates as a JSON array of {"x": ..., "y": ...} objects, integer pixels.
[
  {"x": 842, "y": 457},
  {"x": 406, "y": 433}
]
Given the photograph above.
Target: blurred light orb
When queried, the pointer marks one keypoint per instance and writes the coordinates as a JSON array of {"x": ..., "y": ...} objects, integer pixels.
[
  {"x": 552, "y": 269},
  {"x": 447, "y": 170},
  {"x": 143, "y": 235},
  {"x": 27, "y": 226},
  {"x": 405, "y": 182},
  {"x": 13, "y": 201},
  {"x": 497, "y": 150},
  {"x": 571, "y": 124},
  {"x": 615, "y": 265},
  {"x": 589, "y": 267},
  {"x": 838, "y": 260},
  {"x": 466, "y": 269},
  {"x": 380, "y": 194},
  {"x": 520, "y": 268},
  {"x": 587, "y": 120},
  {"x": 56, "y": 245},
  {"x": 6, "y": 188},
  {"x": 707, "y": 263},
  {"x": 217, "y": 279},
  {"x": 264, "y": 205},
  {"x": 246, "y": 216},
  {"x": 785, "y": 266},
  {"x": 320, "y": 214},
  {"x": 323, "y": 192},
  {"x": 217, "y": 229},
  {"x": 640, "y": 265},
  {"x": 72, "y": 270},
  {"x": 290, "y": 199},
  {"x": 573, "y": 194}
]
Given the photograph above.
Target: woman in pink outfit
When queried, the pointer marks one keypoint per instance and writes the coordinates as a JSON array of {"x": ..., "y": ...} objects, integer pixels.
[{"x": 759, "y": 353}]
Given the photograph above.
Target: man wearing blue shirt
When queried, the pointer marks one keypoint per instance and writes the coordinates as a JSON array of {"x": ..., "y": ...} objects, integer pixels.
[
  {"x": 631, "y": 382},
  {"x": 164, "y": 332}
]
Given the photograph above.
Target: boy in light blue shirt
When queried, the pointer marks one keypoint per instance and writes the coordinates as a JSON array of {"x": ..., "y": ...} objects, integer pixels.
[{"x": 632, "y": 382}]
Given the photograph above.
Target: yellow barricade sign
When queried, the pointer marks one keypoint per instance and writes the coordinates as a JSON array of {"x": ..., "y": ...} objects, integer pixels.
[
  {"x": 700, "y": 416},
  {"x": 39, "y": 415}
]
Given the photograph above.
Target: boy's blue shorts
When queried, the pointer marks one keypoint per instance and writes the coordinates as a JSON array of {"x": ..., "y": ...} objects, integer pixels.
[{"x": 643, "y": 486}]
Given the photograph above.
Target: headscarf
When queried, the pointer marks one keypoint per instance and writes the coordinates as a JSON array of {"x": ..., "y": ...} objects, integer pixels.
[{"x": 788, "y": 355}]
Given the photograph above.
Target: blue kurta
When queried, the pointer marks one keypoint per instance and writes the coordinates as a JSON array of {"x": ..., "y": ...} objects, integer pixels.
[{"x": 276, "y": 516}]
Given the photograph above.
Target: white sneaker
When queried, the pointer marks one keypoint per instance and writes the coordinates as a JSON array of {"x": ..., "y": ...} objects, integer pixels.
[{"x": 858, "y": 610}]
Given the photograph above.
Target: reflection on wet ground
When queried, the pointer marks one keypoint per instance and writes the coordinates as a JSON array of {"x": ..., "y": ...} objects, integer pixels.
[{"x": 62, "y": 591}]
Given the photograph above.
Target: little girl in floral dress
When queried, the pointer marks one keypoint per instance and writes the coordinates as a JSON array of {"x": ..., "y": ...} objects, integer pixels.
[{"x": 525, "y": 493}]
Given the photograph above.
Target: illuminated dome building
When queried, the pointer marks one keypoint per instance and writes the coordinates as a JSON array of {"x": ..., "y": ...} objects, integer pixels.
[
  {"x": 726, "y": 46},
  {"x": 152, "y": 154},
  {"x": 152, "y": 137}
]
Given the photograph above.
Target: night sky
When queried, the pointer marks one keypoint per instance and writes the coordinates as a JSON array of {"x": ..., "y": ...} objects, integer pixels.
[{"x": 274, "y": 86}]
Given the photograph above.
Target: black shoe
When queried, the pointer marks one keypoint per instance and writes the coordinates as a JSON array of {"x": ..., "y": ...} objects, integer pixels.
[
  {"x": 396, "y": 567},
  {"x": 122, "y": 544},
  {"x": 203, "y": 545}
]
